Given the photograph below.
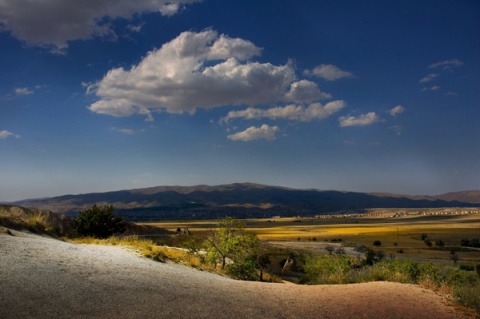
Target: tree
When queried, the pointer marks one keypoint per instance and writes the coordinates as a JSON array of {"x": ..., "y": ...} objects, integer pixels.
[
  {"x": 98, "y": 221},
  {"x": 230, "y": 242},
  {"x": 454, "y": 257},
  {"x": 377, "y": 243},
  {"x": 263, "y": 260},
  {"x": 223, "y": 241}
]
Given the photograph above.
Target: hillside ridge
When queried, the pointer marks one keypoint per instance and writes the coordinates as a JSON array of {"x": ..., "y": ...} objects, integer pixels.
[{"x": 243, "y": 200}]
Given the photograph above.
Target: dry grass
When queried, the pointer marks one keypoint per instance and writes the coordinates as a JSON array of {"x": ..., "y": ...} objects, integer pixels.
[{"x": 147, "y": 248}]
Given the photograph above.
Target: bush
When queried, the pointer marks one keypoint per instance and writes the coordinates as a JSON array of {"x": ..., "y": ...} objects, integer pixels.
[
  {"x": 377, "y": 243},
  {"x": 328, "y": 269},
  {"x": 99, "y": 222}
]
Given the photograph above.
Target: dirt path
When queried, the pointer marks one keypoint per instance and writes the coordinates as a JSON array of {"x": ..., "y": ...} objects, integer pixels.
[{"x": 45, "y": 278}]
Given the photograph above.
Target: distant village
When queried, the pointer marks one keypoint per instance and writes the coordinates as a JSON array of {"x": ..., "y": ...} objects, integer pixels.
[{"x": 402, "y": 213}]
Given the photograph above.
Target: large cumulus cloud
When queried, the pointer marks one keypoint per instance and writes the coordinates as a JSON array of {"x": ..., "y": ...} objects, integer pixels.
[
  {"x": 199, "y": 70},
  {"x": 52, "y": 23}
]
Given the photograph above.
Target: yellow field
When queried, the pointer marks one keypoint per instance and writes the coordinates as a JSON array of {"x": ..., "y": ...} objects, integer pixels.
[{"x": 396, "y": 234}]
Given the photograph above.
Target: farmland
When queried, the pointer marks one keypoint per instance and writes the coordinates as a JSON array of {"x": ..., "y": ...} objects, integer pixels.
[{"x": 403, "y": 234}]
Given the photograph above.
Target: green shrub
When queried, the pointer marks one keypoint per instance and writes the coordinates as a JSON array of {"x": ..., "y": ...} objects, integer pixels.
[
  {"x": 328, "y": 269},
  {"x": 245, "y": 269},
  {"x": 468, "y": 295},
  {"x": 477, "y": 268},
  {"x": 99, "y": 222}
]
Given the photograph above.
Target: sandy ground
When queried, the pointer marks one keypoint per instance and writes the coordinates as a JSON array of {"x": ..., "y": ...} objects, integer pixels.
[{"x": 45, "y": 278}]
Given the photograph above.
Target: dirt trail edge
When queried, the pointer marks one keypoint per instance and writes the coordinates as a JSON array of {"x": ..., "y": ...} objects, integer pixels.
[{"x": 42, "y": 277}]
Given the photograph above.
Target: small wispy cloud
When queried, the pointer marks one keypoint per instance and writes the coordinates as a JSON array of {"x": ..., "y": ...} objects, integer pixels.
[
  {"x": 5, "y": 134},
  {"x": 450, "y": 93},
  {"x": 329, "y": 72},
  {"x": 396, "y": 110},
  {"x": 125, "y": 131},
  {"x": 447, "y": 64},
  {"x": 23, "y": 91},
  {"x": 432, "y": 88},
  {"x": 429, "y": 78},
  {"x": 361, "y": 120},
  {"x": 135, "y": 27},
  {"x": 265, "y": 132}
]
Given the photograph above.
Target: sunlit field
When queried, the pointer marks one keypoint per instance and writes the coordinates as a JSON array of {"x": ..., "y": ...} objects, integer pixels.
[{"x": 399, "y": 236}]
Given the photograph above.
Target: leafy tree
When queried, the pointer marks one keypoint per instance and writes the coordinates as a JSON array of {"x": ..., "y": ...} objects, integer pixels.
[
  {"x": 223, "y": 242},
  {"x": 98, "y": 221},
  {"x": 230, "y": 242}
]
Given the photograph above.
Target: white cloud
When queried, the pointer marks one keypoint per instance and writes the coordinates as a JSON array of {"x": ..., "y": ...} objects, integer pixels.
[
  {"x": 4, "y": 134},
  {"x": 305, "y": 90},
  {"x": 361, "y": 120},
  {"x": 256, "y": 133},
  {"x": 23, "y": 91},
  {"x": 198, "y": 70},
  {"x": 396, "y": 110},
  {"x": 450, "y": 93},
  {"x": 290, "y": 112},
  {"x": 125, "y": 131},
  {"x": 429, "y": 78},
  {"x": 447, "y": 64},
  {"x": 52, "y": 23},
  {"x": 329, "y": 72},
  {"x": 432, "y": 88}
]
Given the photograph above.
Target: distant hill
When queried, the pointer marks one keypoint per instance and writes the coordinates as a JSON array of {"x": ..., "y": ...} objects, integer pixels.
[{"x": 242, "y": 200}]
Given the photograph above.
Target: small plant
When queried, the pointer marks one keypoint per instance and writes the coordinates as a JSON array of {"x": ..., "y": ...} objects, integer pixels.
[
  {"x": 377, "y": 243},
  {"x": 428, "y": 243},
  {"x": 424, "y": 236}
]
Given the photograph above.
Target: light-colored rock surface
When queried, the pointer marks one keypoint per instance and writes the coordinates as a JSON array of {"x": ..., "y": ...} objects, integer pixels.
[{"x": 46, "y": 278}]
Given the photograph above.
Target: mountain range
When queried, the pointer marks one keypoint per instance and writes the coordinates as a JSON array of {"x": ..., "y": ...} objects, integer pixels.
[{"x": 242, "y": 200}]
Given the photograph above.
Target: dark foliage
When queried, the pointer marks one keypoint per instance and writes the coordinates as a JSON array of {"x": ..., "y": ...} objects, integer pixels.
[{"x": 98, "y": 221}]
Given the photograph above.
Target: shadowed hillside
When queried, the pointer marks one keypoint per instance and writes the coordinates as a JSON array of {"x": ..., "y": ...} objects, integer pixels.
[{"x": 241, "y": 200}]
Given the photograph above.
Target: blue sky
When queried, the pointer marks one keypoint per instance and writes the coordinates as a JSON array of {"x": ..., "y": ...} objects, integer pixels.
[{"x": 346, "y": 95}]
